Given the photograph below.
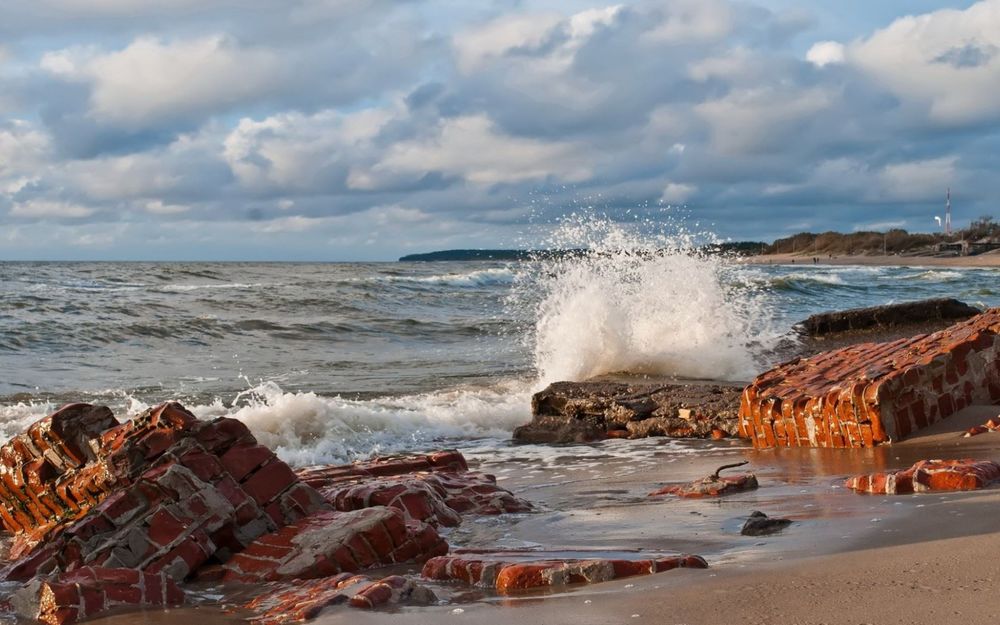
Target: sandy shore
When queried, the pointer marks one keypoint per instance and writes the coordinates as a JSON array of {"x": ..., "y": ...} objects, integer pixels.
[
  {"x": 848, "y": 558},
  {"x": 982, "y": 260},
  {"x": 917, "y": 559}
]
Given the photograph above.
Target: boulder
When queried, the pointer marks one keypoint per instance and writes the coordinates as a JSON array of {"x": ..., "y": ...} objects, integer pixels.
[
  {"x": 759, "y": 524},
  {"x": 929, "y": 475},
  {"x": 303, "y": 600},
  {"x": 508, "y": 575},
  {"x": 874, "y": 393},
  {"x": 891, "y": 315},
  {"x": 566, "y": 412},
  {"x": 89, "y": 591},
  {"x": 330, "y": 542}
]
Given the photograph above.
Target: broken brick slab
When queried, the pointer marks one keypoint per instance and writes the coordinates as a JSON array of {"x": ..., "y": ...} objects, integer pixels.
[
  {"x": 330, "y": 542},
  {"x": 874, "y": 393},
  {"x": 929, "y": 475},
  {"x": 89, "y": 591},
  {"x": 159, "y": 494},
  {"x": 510, "y": 576},
  {"x": 302, "y": 600},
  {"x": 321, "y": 476},
  {"x": 435, "y": 488}
]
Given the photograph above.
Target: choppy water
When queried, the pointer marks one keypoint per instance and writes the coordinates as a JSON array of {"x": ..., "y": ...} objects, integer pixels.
[{"x": 329, "y": 362}]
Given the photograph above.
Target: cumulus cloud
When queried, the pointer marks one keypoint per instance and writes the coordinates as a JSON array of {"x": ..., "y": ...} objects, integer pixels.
[
  {"x": 151, "y": 79},
  {"x": 373, "y": 127},
  {"x": 474, "y": 149},
  {"x": 825, "y": 53},
  {"x": 944, "y": 63}
]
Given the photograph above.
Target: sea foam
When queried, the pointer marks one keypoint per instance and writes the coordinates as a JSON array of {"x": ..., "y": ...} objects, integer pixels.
[{"x": 642, "y": 303}]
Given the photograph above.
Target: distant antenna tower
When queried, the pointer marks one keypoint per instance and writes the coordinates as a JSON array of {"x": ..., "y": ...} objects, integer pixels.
[{"x": 947, "y": 214}]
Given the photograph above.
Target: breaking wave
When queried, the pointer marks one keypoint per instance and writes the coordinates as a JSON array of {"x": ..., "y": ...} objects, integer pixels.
[{"x": 642, "y": 303}]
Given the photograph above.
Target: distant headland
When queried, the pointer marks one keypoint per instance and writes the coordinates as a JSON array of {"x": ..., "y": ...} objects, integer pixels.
[{"x": 981, "y": 237}]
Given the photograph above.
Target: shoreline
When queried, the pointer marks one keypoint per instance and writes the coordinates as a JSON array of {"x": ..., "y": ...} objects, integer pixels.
[{"x": 805, "y": 260}]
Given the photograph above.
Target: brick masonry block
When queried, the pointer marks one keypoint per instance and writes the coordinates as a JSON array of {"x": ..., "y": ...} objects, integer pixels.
[
  {"x": 929, "y": 475},
  {"x": 508, "y": 576},
  {"x": 89, "y": 591},
  {"x": 436, "y": 488},
  {"x": 302, "y": 600},
  {"x": 330, "y": 542},
  {"x": 157, "y": 496},
  {"x": 874, "y": 393}
]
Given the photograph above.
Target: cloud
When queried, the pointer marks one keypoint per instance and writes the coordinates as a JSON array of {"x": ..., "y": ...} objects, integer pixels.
[
  {"x": 677, "y": 193},
  {"x": 474, "y": 149},
  {"x": 825, "y": 53},
  {"x": 49, "y": 208},
  {"x": 151, "y": 79},
  {"x": 368, "y": 127},
  {"x": 944, "y": 64}
]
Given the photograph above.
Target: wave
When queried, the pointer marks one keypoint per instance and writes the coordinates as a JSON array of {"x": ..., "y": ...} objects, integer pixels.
[
  {"x": 936, "y": 275},
  {"x": 479, "y": 278},
  {"x": 644, "y": 304},
  {"x": 305, "y": 428},
  {"x": 184, "y": 288}
]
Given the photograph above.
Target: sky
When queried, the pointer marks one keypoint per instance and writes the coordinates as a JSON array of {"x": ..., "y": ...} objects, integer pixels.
[{"x": 368, "y": 129}]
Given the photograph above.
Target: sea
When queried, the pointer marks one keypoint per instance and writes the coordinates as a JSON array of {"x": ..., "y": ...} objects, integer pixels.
[{"x": 333, "y": 362}]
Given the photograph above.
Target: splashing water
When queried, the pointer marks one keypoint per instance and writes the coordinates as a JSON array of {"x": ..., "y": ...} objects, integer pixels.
[{"x": 642, "y": 303}]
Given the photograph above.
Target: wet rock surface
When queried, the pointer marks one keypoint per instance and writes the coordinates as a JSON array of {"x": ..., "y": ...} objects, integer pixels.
[
  {"x": 507, "y": 573},
  {"x": 929, "y": 475},
  {"x": 112, "y": 515},
  {"x": 567, "y": 412},
  {"x": 714, "y": 485},
  {"x": 759, "y": 524},
  {"x": 874, "y": 393},
  {"x": 89, "y": 591},
  {"x": 303, "y": 600},
  {"x": 889, "y": 316}
]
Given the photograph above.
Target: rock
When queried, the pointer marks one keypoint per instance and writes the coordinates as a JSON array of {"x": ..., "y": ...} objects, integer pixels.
[
  {"x": 330, "y": 542},
  {"x": 759, "y": 524},
  {"x": 163, "y": 492},
  {"x": 303, "y": 600},
  {"x": 438, "y": 492},
  {"x": 89, "y": 591},
  {"x": 508, "y": 576},
  {"x": 712, "y": 486},
  {"x": 891, "y": 315},
  {"x": 567, "y": 412},
  {"x": 929, "y": 475},
  {"x": 991, "y": 425},
  {"x": 874, "y": 393}
]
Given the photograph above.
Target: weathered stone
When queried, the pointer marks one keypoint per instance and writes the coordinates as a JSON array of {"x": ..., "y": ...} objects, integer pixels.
[
  {"x": 891, "y": 315},
  {"x": 156, "y": 496},
  {"x": 303, "y": 600},
  {"x": 436, "y": 489},
  {"x": 759, "y": 524},
  {"x": 992, "y": 425},
  {"x": 331, "y": 542},
  {"x": 712, "y": 486},
  {"x": 506, "y": 576},
  {"x": 585, "y": 411},
  {"x": 89, "y": 591},
  {"x": 929, "y": 475},
  {"x": 873, "y": 393}
]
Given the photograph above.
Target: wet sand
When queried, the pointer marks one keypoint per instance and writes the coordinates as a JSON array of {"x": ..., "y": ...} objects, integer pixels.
[
  {"x": 982, "y": 260},
  {"x": 848, "y": 558}
]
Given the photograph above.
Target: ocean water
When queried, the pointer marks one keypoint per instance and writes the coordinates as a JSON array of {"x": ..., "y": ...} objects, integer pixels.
[{"x": 333, "y": 362}]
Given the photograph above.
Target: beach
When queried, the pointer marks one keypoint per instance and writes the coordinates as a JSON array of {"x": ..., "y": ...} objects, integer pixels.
[
  {"x": 413, "y": 358},
  {"x": 980, "y": 260}
]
